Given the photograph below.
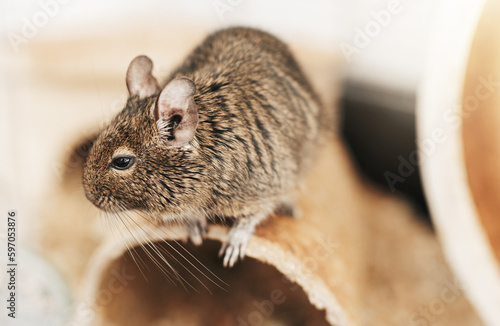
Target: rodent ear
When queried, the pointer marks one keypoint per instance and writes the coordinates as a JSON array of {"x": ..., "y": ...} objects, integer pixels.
[
  {"x": 140, "y": 81},
  {"x": 176, "y": 113}
]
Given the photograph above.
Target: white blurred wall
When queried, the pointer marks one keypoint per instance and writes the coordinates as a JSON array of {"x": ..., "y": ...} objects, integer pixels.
[
  {"x": 317, "y": 22},
  {"x": 393, "y": 54}
]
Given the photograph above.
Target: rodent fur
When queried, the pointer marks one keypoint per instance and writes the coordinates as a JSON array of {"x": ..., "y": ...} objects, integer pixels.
[{"x": 258, "y": 126}]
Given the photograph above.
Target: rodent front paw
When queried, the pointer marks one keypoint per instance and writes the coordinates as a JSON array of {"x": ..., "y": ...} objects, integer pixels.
[{"x": 235, "y": 245}]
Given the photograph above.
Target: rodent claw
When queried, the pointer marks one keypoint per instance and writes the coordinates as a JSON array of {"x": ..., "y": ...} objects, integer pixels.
[
  {"x": 234, "y": 246},
  {"x": 222, "y": 249},
  {"x": 227, "y": 257},
  {"x": 242, "y": 251}
]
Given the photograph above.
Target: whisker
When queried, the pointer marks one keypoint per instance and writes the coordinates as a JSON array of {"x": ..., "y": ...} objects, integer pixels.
[
  {"x": 166, "y": 272},
  {"x": 190, "y": 254},
  {"x": 152, "y": 246},
  {"x": 130, "y": 248}
]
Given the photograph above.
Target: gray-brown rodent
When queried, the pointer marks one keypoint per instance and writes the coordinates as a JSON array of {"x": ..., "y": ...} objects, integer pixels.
[{"x": 229, "y": 135}]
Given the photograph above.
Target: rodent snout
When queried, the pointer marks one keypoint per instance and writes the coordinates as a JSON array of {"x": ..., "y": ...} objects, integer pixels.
[{"x": 96, "y": 193}]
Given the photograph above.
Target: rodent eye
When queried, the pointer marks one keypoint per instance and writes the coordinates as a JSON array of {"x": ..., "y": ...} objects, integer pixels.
[{"x": 122, "y": 162}]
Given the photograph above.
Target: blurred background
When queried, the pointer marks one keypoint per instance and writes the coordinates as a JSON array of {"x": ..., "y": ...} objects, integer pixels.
[
  {"x": 379, "y": 48},
  {"x": 63, "y": 65}
]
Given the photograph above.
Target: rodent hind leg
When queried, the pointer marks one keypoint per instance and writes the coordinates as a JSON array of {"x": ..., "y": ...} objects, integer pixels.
[
  {"x": 288, "y": 207},
  {"x": 236, "y": 241},
  {"x": 197, "y": 230}
]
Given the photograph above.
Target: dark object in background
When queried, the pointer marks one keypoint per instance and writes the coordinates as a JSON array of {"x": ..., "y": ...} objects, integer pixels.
[{"x": 379, "y": 128}]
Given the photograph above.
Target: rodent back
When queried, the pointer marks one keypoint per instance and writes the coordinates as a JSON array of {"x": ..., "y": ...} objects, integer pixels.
[
  {"x": 255, "y": 127},
  {"x": 258, "y": 113}
]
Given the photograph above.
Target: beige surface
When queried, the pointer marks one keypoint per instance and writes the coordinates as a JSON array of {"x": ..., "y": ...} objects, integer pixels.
[{"x": 385, "y": 267}]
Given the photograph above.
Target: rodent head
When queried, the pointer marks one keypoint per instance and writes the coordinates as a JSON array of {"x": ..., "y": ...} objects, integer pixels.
[{"x": 147, "y": 158}]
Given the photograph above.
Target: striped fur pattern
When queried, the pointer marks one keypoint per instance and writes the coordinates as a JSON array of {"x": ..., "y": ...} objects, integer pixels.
[{"x": 258, "y": 127}]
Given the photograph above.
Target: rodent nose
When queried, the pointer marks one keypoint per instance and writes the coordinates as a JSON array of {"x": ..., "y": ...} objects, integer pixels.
[
  {"x": 100, "y": 196},
  {"x": 92, "y": 191},
  {"x": 91, "y": 195}
]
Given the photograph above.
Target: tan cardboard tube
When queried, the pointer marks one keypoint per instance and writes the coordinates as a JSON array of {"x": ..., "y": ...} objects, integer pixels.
[
  {"x": 355, "y": 257},
  {"x": 458, "y": 114}
]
